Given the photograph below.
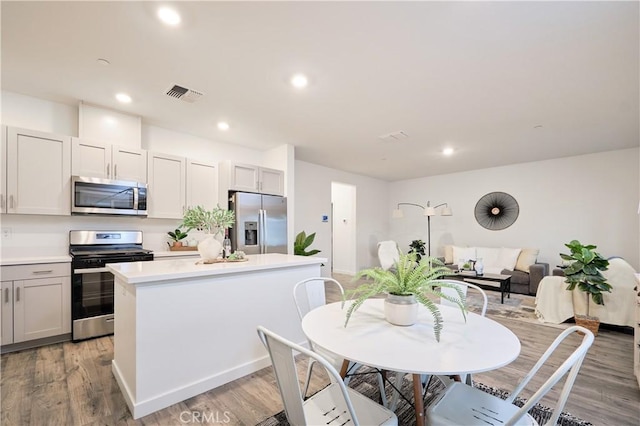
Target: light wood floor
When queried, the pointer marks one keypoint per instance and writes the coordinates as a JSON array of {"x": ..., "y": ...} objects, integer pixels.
[{"x": 72, "y": 384}]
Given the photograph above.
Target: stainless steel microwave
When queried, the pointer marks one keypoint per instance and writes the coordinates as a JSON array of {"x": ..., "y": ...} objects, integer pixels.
[{"x": 105, "y": 196}]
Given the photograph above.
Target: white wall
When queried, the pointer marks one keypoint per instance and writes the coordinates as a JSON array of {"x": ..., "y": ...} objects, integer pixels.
[
  {"x": 343, "y": 198},
  {"x": 49, "y": 234},
  {"x": 313, "y": 199},
  {"x": 592, "y": 198}
]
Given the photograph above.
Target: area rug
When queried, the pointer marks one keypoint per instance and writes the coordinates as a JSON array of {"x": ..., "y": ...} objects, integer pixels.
[{"x": 368, "y": 386}]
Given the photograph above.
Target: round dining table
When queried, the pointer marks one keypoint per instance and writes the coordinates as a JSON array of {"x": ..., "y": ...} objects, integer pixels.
[{"x": 474, "y": 345}]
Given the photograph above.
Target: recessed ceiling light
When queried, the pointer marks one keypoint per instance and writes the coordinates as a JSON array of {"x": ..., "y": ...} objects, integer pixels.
[
  {"x": 103, "y": 62},
  {"x": 123, "y": 97},
  {"x": 223, "y": 125},
  {"x": 299, "y": 81},
  {"x": 447, "y": 151},
  {"x": 168, "y": 16}
]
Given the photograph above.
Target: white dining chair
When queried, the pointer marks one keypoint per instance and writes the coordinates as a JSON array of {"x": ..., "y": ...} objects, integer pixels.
[
  {"x": 308, "y": 294},
  {"x": 334, "y": 405},
  {"x": 388, "y": 254},
  {"x": 461, "y": 404}
]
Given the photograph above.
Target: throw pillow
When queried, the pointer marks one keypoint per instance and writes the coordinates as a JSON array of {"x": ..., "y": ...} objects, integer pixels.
[
  {"x": 528, "y": 257},
  {"x": 448, "y": 254},
  {"x": 464, "y": 253},
  {"x": 509, "y": 257},
  {"x": 490, "y": 258}
]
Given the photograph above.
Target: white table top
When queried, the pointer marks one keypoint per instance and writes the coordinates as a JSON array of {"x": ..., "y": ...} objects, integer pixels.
[{"x": 478, "y": 345}]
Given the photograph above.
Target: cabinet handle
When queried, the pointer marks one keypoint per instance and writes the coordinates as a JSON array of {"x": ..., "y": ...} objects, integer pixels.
[
  {"x": 108, "y": 169},
  {"x": 2, "y": 201},
  {"x": 48, "y": 271},
  {"x": 115, "y": 171},
  {"x": 6, "y": 295},
  {"x": 17, "y": 294},
  {"x": 10, "y": 201}
]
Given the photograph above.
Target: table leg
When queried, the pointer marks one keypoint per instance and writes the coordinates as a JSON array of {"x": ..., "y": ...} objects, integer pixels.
[
  {"x": 509, "y": 288},
  {"x": 419, "y": 402},
  {"x": 344, "y": 369},
  {"x": 503, "y": 288}
]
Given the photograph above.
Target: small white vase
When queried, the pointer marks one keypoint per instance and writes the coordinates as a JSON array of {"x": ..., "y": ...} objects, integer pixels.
[
  {"x": 209, "y": 248},
  {"x": 401, "y": 310}
]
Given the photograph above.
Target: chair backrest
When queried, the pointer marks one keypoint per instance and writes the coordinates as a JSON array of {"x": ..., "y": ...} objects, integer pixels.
[
  {"x": 310, "y": 293},
  {"x": 388, "y": 253},
  {"x": 282, "y": 357},
  {"x": 571, "y": 364},
  {"x": 463, "y": 286}
]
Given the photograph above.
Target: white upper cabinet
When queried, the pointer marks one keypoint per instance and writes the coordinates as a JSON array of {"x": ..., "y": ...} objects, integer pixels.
[
  {"x": 96, "y": 159},
  {"x": 166, "y": 192},
  {"x": 38, "y": 169},
  {"x": 250, "y": 178},
  {"x": 202, "y": 184},
  {"x": 3, "y": 175}
]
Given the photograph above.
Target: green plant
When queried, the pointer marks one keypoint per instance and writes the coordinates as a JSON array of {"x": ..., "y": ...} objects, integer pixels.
[
  {"x": 417, "y": 247},
  {"x": 178, "y": 234},
  {"x": 584, "y": 271},
  {"x": 213, "y": 221},
  {"x": 301, "y": 243},
  {"x": 409, "y": 277}
]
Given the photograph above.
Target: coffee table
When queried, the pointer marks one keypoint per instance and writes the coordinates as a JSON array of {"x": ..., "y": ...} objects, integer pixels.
[{"x": 485, "y": 280}]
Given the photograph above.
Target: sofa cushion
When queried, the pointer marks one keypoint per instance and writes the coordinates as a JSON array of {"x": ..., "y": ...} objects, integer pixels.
[
  {"x": 527, "y": 257},
  {"x": 490, "y": 259},
  {"x": 464, "y": 253},
  {"x": 509, "y": 257}
]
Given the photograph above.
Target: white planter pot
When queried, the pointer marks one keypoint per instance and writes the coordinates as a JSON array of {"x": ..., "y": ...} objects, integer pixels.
[
  {"x": 401, "y": 310},
  {"x": 209, "y": 248}
]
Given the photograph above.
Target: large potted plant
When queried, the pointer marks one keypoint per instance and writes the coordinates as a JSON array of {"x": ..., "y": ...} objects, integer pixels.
[
  {"x": 213, "y": 223},
  {"x": 410, "y": 283},
  {"x": 584, "y": 271}
]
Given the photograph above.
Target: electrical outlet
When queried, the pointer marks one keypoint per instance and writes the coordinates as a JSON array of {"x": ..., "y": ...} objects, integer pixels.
[{"x": 6, "y": 233}]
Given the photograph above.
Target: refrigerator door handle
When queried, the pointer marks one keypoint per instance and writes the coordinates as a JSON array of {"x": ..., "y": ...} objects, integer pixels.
[{"x": 264, "y": 231}]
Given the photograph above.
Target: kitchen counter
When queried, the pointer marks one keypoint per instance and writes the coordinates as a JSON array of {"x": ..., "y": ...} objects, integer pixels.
[
  {"x": 34, "y": 259},
  {"x": 183, "y": 328}
]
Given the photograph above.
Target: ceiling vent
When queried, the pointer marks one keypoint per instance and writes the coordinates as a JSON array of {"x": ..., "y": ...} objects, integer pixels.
[
  {"x": 184, "y": 94},
  {"x": 394, "y": 136}
]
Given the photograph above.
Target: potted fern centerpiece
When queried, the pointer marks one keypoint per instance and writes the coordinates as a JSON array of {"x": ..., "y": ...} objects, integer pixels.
[
  {"x": 213, "y": 223},
  {"x": 583, "y": 271},
  {"x": 410, "y": 283}
]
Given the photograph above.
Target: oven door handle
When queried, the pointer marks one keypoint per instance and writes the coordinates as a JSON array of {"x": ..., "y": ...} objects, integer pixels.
[{"x": 90, "y": 270}]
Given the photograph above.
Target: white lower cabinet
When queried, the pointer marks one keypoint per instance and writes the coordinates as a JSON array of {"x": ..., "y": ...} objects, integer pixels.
[{"x": 36, "y": 301}]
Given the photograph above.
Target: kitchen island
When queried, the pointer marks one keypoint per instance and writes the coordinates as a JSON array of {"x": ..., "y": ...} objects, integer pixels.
[{"x": 182, "y": 328}]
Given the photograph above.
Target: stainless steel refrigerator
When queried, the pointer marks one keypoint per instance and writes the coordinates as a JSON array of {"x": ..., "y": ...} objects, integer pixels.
[{"x": 261, "y": 223}]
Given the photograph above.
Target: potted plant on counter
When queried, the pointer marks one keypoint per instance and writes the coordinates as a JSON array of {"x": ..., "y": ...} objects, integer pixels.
[
  {"x": 213, "y": 223},
  {"x": 177, "y": 236},
  {"x": 583, "y": 271},
  {"x": 410, "y": 282}
]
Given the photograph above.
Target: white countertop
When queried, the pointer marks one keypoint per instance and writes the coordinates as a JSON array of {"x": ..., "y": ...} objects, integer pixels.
[
  {"x": 179, "y": 253},
  {"x": 165, "y": 270},
  {"x": 30, "y": 256}
]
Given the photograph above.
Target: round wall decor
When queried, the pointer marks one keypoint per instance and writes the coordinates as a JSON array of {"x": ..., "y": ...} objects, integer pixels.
[{"x": 496, "y": 211}]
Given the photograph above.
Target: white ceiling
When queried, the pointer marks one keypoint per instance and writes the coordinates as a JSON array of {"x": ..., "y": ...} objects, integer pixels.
[{"x": 480, "y": 77}]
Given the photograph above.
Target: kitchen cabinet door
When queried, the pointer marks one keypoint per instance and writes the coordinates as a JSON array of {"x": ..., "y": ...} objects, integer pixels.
[
  {"x": 271, "y": 181},
  {"x": 3, "y": 175},
  {"x": 6, "y": 315},
  {"x": 202, "y": 184},
  {"x": 166, "y": 192},
  {"x": 129, "y": 164},
  {"x": 244, "y": 177},
  {"x": 90, "y": 159},
  {"x": 41, "y": 308},
  {"x": 38, "y": 172}
]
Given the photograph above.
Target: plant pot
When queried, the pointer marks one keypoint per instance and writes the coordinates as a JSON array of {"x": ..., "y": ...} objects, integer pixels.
[
  {"x": 209, "y": 248},
  {"x": 177, "y": 244},
  {"x": 401, "y": 310},
  {"x": 590, "y": 323}
]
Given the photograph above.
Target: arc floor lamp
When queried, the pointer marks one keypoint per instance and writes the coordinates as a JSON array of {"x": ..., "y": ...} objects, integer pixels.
[{"x": 428, "y": 212}]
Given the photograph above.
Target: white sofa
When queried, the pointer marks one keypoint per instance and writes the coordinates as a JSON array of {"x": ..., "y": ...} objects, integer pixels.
[
  {"x": 521, "y": 263},
  {"x": 555, "y": 304}
]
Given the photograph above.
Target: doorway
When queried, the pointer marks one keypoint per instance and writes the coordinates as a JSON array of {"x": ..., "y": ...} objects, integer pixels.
[{"x": 343, "y": 228}]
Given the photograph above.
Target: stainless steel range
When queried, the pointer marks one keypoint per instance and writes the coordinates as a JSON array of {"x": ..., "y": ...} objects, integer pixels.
[{"x": 91, "y": 282}]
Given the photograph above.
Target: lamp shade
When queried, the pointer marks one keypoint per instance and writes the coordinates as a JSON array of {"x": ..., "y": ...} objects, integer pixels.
[
  {"x": 397, "y": 214},
  {"x": 446, "y": 211},
  {"x": 429, "y": 211}
]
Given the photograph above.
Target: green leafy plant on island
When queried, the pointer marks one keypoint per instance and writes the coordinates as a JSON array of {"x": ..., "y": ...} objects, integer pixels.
[
  {"x": 584, "y": 271},
  {"x": 409, "y": 277},
  {"x": 213, "y": 221},
  {"x": 302, "y": 242},
  {"x": 178, "y": 235}
]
